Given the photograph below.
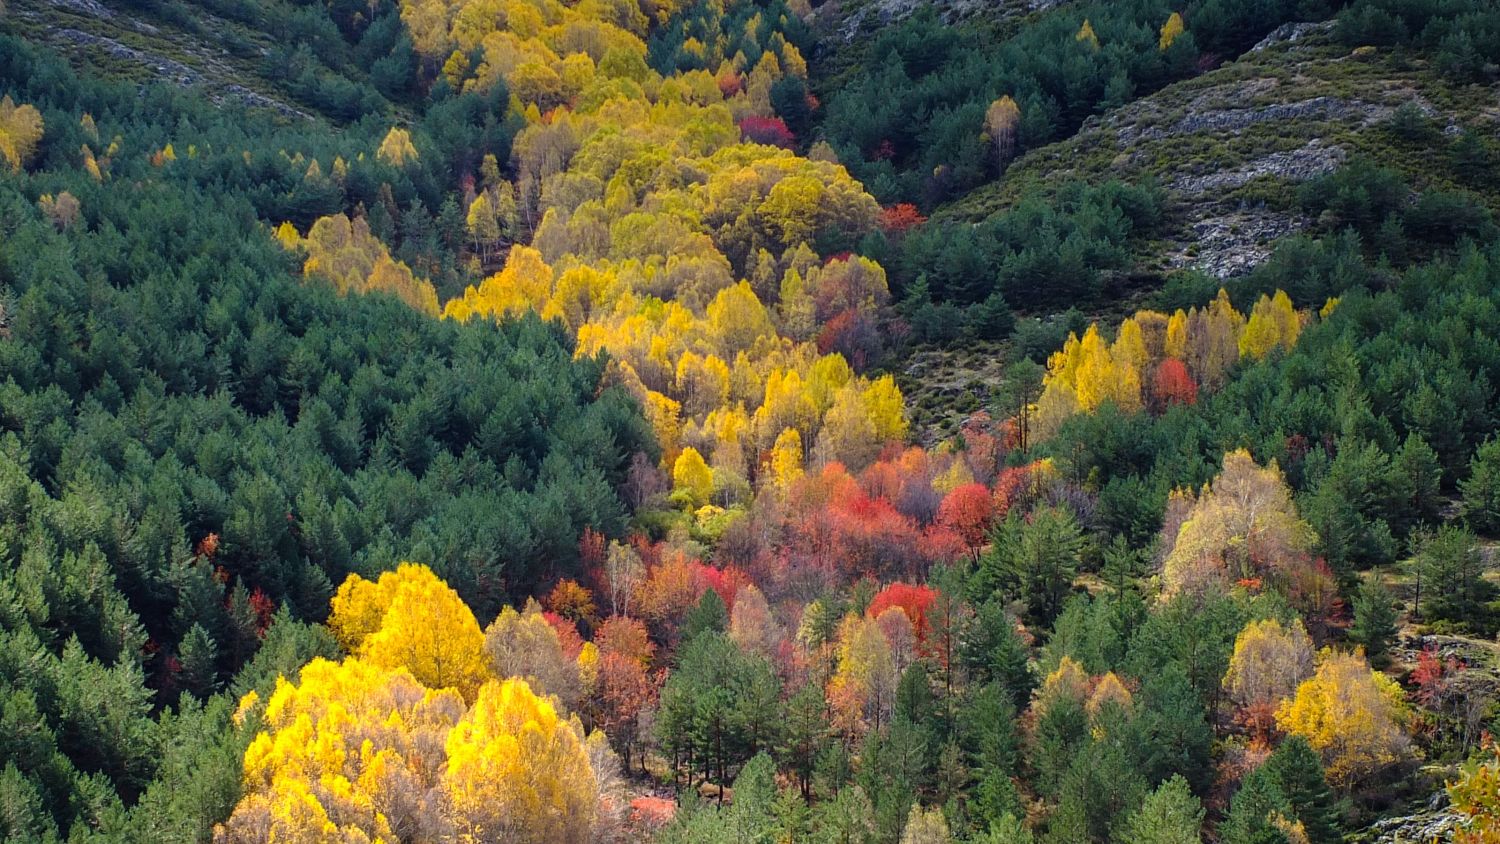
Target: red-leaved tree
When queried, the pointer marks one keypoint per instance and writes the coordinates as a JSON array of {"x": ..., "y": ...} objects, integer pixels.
[
  {"x": 767, "y": 130},
  {"x": 1172, "y": 384},
  {"x": 969, "y": 511},
  {"x": 911, "y": 599}
]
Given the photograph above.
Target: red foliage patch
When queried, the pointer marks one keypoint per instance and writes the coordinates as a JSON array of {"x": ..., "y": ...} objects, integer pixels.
[
  {"x": 915, "y": 601},
  {"x": 853, "y": 335},
  {"x": 726, "y": 581},
  {"x": 901, "y": 218},
  {"x": 969, "y": 511},
  {"x": 652, "y": 811},
  {"x": 264, "y": 608},
  {"x": 767, "y": 130},
  {"x": 567, "y": 634},
  {"x": 1171, "y": 384},
  {"x": 729, "y": 84}
]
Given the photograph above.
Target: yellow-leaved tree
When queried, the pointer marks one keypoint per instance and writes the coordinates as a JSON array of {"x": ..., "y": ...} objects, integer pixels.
[
  {"x": 863, "y": 689},
  {"x": 1268, "y": 664},
  {"x": 21, "y": 129},
  {"x": 1477, "y": 795},
  {"x": 1273, "y": 322},
  {"x": 525, "y": 646},
  {"x": 355, "y": 261},
  {"x": 1002, "y": 120},
  {"x": 1169, "y": 31},
  {"x": 423, "y": 626},
  {"x": 396, "y": 149},
  {"x": 786, "y": 458},
  {"x": 692, "y": 480},
  {"x": 1086, "y": 35},
  {"x": 1243, "y": 526},
  {"x": 518, "y": 771},
  {"x": 1067, "y": 682},
  {"x": 350, "y": 752},
  {"x": 525, "y": 283},
  {"x": 383, "y": 746},
  {"x": 1110, "y": 697},
  {"x": 1354, "y": 716}
]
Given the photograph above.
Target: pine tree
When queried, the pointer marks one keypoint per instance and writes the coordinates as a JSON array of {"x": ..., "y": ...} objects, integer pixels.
[
  {"x": 1251, "y": 813},
  {"x": 708, "y": 616},
  {"x": 1169, "y": 815},
  {"x": 244, "y": 625},
  {"x": 1374, "y": 619},
  {"x": 1481, "y": 507},
  {"x": 1008, "y": 830},
  {"x": 1034, "y": 558},
  {"x": 199, "y": 657},
  {"x": 1422, "y": 474},
  {"x": 989, "y": 319},
  {"x": 993, "y": 650},
  {"x": 1172, "y": 732},
  {"x": 806, "y": 735},
  {"x": 914, "y": 699},
  {"x": 1452, "y": 576},
  {"x": 1299, "y": 772}
]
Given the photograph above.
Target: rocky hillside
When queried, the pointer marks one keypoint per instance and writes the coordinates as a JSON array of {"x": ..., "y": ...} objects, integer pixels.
[{"x": 1231, "y": 146}]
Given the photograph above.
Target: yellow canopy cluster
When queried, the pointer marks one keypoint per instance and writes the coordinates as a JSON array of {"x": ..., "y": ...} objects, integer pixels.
[
  {"x": 1352, "y": 715},
  {"x": 1206, "y": 341},
  {"x": 1244, "y": 525},
  {"x": 550, "y": 54},
  {"x": 344, "y": 252},
  {"x": 645, "y": 205},
  {"x": 415, "y": 737},
  {"x": 21, "y": 129}
]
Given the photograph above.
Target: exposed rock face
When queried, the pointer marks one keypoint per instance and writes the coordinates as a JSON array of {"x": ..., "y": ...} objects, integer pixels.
[
  {"x": 168, "y": 70},
  {"x": 1229, "y": 117},
  {"x": 1471, "y": 652},
  {"x": 1233, "y": 244},
  {"x": 95, "y": 9},
  {"x": 1436, "y": 824},
  {"x": 1299, "y": 165},
  {"x": 200, "y": 64},
  {"x": 178, "y": 73},
  {"x": 1289, "y": 33}
]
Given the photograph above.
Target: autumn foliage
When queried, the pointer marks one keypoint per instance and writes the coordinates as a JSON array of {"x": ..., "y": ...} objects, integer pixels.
[
  {"x": 414, "y": 736},
  {"x": 771, "y": 131},
  {"x": 1354, "y": 716},
  {"x": 21, "y": 128},
  {"x": 1158, "y": 360}
]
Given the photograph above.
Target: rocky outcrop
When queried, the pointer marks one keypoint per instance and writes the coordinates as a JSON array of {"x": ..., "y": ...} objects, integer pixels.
[
  {"x": 1290, "y": 33},
  {"x": 175, "y": 72},
  {"x": 1228, "y": 120},
  {"x": 1231, "y": 245},
  {"x": 176, "y": 58},
  {"x": 1436, "y": 823},
  {"x": 166, "y": 69},
  {"x": 95, "y": 9},
  {"x": 1299, "y": 165}
]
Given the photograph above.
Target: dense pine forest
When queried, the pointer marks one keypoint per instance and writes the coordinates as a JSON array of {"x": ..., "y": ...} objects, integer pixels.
[{"x": 870, "y": 422}]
